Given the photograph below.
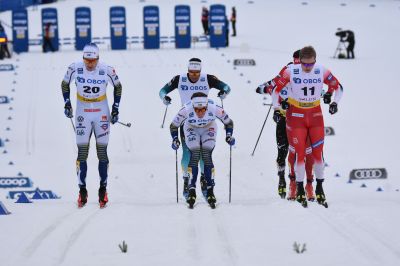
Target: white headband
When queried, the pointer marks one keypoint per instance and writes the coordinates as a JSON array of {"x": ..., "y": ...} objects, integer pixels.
[
  {"x": 194, "y": 66},
  {"x": 199, "y": 102}
]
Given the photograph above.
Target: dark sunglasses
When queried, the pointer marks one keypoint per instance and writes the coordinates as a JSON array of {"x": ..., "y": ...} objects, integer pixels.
[
  {"x": 307, "y": 64},
  {"x": 89, "y": 60},
  {"x": 202, "y": 109}
]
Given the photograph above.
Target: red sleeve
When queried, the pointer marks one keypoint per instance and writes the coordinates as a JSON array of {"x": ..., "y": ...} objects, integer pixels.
[
  {"x": 282, "y": 79},
  {"x": 331, "y": 81}
]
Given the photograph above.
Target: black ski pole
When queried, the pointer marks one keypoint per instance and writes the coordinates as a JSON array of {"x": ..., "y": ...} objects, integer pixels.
[
  {"x": 222, "y": 103},
  {"x": 73, "y": 126},
  {"x": 165, "y": 113},
  {"x": 176, "y": 171},
  {"x": 230, "y": 172},
  {"x": 127, "y": 124},
  {"x": 269, "y": 110}
]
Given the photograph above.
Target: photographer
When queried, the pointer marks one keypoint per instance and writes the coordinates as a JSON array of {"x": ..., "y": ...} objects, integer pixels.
[
  {"x": 347, "y": 36},
  {"x": 350, "y": 47}
]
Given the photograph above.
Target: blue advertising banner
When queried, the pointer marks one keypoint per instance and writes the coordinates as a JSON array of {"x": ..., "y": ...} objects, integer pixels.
[
  {"x": 50, "y": 27},
  {"x": 217, "y": 26},
  {"x": 182, "y": 26},
  {"x": 6, "y": 67},
  {"x": 12, "y": 182},
  {"x": 151, "y": 27},
  {"x": 83, "y": 27},
  {"x": 118, "y": 28},
  {"x": 20, "y": 31}
]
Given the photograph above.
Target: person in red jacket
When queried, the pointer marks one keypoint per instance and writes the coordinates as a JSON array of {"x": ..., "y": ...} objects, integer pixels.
[
  {"x": 283, "y": 144},
  {"x": 304, "y": 118}
]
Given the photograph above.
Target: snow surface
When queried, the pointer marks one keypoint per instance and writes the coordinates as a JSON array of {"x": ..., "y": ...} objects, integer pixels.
[{"x": 360, "y": 227}]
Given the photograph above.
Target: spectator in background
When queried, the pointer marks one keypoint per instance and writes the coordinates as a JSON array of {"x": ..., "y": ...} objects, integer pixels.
[
  {"x": 4, "y": 52},
  {"x": 233, "y": 20},
  {"x": 47, "y": 39},
  {"x": 204, "y": 20}
]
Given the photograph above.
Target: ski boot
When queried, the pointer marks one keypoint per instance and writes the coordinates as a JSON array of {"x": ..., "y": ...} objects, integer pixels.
[
  {"x": 292, "y": 188},
  {"x": 301, "y": 195},
  {"x": 103, "y": 198},
  {"x": 211, "y": 197},
  {"x": 203, "y": 184},
  {"x": 185, "y": 187},
  {"x": 282, "y": 188},
  {"x": 310, "y": 191},
  {"x": 83, "y": 195},
  {"x": 319, "y": 192},
  {"x": 191, "y": 199}
]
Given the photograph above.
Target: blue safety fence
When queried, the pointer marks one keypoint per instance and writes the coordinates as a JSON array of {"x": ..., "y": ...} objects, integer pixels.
[
  {"x": 129, "y": 40},
  {"x": 20, "y": 4}
]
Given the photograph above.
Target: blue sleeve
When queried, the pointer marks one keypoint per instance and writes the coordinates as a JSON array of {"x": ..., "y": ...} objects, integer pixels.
[{"x": 170, "y": 86}]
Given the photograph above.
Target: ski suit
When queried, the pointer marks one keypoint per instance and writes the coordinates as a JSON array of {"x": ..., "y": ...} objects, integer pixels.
[
  {"x": 92, "y": 113},
  {"x": 186, "y": 89},
  {"x": 200, "y": 135},
  {"x": 304, "y": 117},
  {"x": 282, "y": 140}
]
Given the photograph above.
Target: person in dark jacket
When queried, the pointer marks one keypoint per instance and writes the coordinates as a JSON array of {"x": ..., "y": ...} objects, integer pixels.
[
  {"x": 350, "y": 47},
  {"x": 233, "y": 20},
  {"x": 204, "y": 20},
  {"x": 47, "y": 39},
  {"x": 4, "y": 52}
]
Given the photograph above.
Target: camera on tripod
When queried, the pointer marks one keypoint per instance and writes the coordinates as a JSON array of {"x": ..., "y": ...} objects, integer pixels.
[{"x": 341, "y": 34}]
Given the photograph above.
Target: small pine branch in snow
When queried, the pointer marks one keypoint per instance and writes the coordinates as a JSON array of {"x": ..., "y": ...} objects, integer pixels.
[
  {"x": 123, "y": 247},
  {"x": 298, "y": 248}
]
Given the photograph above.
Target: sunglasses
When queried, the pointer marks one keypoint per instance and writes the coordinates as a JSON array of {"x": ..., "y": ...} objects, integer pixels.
[
  {"x": 307, "y": 64},
  {"x": 88, "y": 60},
  {"x": 194, "y": 72},
  {"x": 202, "y": 109}
]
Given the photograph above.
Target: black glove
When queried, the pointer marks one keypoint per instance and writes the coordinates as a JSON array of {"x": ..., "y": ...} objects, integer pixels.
[
  {"x": 327, "y": 98},
  {"x": 175, "y": 143},
  {"x": 68, "y": 109},
  {"x": 114, "y": 113},
  {"x": 230, "y": 140},
  {"x": 260, "y": 89},
  {"x": 222, "y": 94},
  {"x": 285, "y": 104},
  {"x": 167, "y": 100},
  {"x": 277, "y": 116},
  {"x": 333, "y": 108}
]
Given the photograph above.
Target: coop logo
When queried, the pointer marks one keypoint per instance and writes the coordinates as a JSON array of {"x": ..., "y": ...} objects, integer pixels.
[
  {"x": 11, "y": 182},
  {"x": 6, "y": 67},
  {"x": 368, "y": 173}
]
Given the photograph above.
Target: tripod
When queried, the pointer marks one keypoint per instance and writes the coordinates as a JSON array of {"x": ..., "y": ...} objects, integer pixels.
[{"x": 341, "y": 46}]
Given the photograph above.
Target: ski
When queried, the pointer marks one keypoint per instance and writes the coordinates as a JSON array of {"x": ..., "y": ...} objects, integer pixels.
[{"x": 325, "y": 204}]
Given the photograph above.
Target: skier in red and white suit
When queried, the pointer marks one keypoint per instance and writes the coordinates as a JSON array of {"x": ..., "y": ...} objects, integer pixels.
[
  {"x": 283, "y": 140},
  {"x": 304, "y": 116}
]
